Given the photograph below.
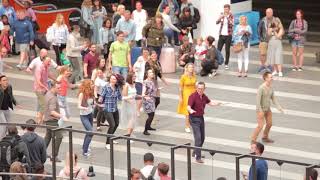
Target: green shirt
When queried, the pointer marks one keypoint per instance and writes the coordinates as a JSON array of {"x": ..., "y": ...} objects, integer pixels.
[
  {"x": 120, "y": 53},
  {"x": 264, "y": 97}
]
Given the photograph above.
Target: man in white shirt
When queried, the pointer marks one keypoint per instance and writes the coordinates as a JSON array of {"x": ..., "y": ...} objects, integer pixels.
[
  {"x": 139, "y": 17},
  {"x": 148, "y": 159}
]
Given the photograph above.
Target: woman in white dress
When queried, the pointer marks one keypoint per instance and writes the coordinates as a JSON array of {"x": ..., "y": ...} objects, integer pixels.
[{"x": 128, "y": 116}]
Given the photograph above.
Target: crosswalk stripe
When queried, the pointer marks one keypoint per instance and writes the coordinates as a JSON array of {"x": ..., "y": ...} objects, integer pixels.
[
  {"x": 215, "y": 120},
  {"x": 181, "y": 158},
  {"x": 212, "y": 140},
  {"x": 253, "y": 91}
]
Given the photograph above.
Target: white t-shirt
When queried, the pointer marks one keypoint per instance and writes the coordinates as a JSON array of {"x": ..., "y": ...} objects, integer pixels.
[
  {"x": 146, "y": 171},
  {"x": 100, "y": 83},
  {"x": 200, "y": 49},
  {"x": 139, "y": 68},
  {"x": 140, "y": 19},
  {"x": 36, "y": 63},
  {"x": 224, "y": 30}
]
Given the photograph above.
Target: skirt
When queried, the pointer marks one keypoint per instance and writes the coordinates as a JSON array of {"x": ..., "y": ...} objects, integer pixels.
[{"x": 274, "y": 54}]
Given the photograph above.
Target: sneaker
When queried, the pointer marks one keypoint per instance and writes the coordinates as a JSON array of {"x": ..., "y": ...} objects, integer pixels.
[
  {"x": 300, "y": 69},
  {"x": 86, "y": 154},
  {"x": 212, "y": 74},
  {"x": 115, "y": 142},
  {"x": 146, "y": 133},
  {"x": 274, "y": 73},
  {"x": 280, "y": 74},
  {"x": 226, "y": 67},
  {"x": 187, "y": 130},
  {"x": 261, "y": 69},
  {"x": 19, "y": 66},
  {"x": 23, "y": 66},
  {"x": 108, "y": 146},
  {"x": 294, "y": 69},
  {"x": 200, "y": 161}
]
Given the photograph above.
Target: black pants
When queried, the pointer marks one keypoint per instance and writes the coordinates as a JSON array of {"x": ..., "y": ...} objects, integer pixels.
[
  {"x": 113, "y": 120},
  {"x": 157, "y": 101},
  {"x": 100, "y": 116},
  {"x": 225, "y": 40},
  {"x": 198, "y": 128},
  {"x": 149, "y": 121},
  {"x": 57, "y": 51}
]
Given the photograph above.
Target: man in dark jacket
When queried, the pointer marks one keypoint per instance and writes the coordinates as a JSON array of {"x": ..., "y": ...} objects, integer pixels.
[
  {"x": 36, "y": 145},
  {"x": 24, "y": 36}
]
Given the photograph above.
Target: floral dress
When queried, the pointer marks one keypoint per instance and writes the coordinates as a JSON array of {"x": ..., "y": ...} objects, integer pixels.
[{"x": 149, "y": 104}]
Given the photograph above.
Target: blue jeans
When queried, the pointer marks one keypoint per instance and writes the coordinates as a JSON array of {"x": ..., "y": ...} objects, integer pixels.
[
  {"x": 87, "y": 122},
  {"x": 197, "y": 124},
  {"x": 120, "y": 70},
  {"x": 169, "y": 33}
]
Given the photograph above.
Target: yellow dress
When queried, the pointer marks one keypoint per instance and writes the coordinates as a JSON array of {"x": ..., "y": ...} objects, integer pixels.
[{"x": 188, "y": 85}]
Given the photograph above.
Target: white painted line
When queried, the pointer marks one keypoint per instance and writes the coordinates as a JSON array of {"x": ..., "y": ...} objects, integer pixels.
[
  {"x": 179, "y": 157},
  {"x": 253, "y": 91},
  {"x": 211, "y": 140}
]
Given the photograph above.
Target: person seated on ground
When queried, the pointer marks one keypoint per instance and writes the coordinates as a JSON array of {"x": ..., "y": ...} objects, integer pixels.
[
  {"x": 209, "y": 64},
  {"x": 135, "y": 174},
  {"x": 39, "y": 169},
  {"x": 186, "y": 52},
  {"x": 78, "y": 172},
  {"x": 149, "y": 170},
  {"x": 18, "y": 167},
  {"x": 163, "y": 170}
]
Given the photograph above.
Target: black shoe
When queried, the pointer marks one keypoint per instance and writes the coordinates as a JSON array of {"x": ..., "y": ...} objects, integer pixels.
[
  {"x": 151, "y": 129},
  {"x": 146, "y": 133}
]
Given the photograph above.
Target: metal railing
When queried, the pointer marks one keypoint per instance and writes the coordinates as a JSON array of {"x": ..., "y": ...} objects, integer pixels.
[{"x": 173, "y": 148}]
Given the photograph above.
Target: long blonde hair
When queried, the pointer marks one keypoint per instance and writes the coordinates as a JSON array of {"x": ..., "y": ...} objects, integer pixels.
[
  {"x": 186, "y": 69},
  {"x": 246, "y": 20},
  {"x": 57, "y": 21},
  {"x": 87, "y": 3}
]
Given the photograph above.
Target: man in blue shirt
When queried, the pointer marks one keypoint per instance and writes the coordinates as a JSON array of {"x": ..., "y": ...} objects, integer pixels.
[
  {"x": 127, "y": 26},
  {"x": 261, "y": 165}
]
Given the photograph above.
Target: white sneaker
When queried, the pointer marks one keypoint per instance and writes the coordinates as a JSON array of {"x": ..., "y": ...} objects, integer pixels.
[
  {"x": 274, "y": 73},
  {"x": 226, "y": 67},
  {"x": 108, "y": 146},
  {"x": 187, "y": 130},
  {"x": 131, "y": 141},
  {"x": 115, "y": 142},
  {"x": 280, "y": 74}
]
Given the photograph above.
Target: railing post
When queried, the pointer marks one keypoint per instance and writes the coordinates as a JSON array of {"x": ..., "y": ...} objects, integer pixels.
[
  {"x": 71, "y": 153},
  {"x": 173, "y": 173},
  {"x": 308, "y": 169},
  {"x": 238, "y": 166},
  {"x": 112, "y": 157},
  {"x": 53, "y": 140},
  {"x": 189, "y": 162},
  {"x": 129, "y": 158}
]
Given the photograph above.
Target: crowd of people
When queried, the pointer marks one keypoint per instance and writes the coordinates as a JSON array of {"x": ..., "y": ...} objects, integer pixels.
[{"x": 95, "y": 58}]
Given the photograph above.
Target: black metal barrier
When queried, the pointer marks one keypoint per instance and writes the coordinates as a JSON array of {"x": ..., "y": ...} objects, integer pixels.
[{"x": 173, "y": 147}]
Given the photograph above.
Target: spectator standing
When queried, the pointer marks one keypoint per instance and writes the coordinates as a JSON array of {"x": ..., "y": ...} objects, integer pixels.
[
  {"x": 9, "y": 11},
  {"x": 242, "y": 35},
  {"x": 128, "y": 116},
  {"x": 110, "y": 96},
  {"x": 186, "y": 52},
  {"x": 196, "y": 104},
  {"x": 226, "y": 22},
  {"x": 264, "y": 38},
  {"x": 139, "y": 69},
  {"x": 78, "y": 172},
  {"x": 184, "y": 4},
  {"x": 106, "y": 37},
  {"x": 24, "y": 37},
  {"x": 127, "y": 26},
  {"x": 297, "y": 30},
  {"x": 186, "y": 23},
  {"x": 154, "y": 34},
  {"x": 149, "y": 168},
  {"x": 264, "y": 97},
  {"x": 119, "y": 56},
  {"x": 139, "y": 17},
  {"x": 163, "y": 170},
  {"x": 187, "y": 87},
  {"x": 274, "y": 53},
  {"x": 86, "y": 22},
  {"x": 85, "y": 104},
  {"x": 73, "y": 51},
  {"x": 99, "y": 13},
  {"x": 36, "y": 145},
  {"x": 31, "y": 15},
  {"x": 90, "y": 61},
  {"x": 60, "y": 36},
  {"x": 118, "y": 15},
  {"x": 169, "y": 27},
  {"x": 51, "y": 118},
  {"x": 173, "y": 13}
]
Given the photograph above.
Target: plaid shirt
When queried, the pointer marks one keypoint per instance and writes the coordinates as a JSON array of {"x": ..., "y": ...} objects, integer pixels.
[
  {"x": 110, "y": 98},
  {"x": 230, "y": 24}
]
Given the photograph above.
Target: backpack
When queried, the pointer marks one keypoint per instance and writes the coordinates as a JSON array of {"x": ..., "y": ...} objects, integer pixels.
[
  {"x": 219, "y": 57},
  {"x": 8, "y": 151},
  {"x": 151, "y": 175}
]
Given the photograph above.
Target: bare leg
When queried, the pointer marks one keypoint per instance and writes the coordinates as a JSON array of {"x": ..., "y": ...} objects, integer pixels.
[{"x": 301, "y": 58}]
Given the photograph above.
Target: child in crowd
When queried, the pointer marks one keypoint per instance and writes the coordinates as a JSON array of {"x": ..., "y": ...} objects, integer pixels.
[
  {"x": 200, "y": 54},
  {"x": 64, "y": 59}
]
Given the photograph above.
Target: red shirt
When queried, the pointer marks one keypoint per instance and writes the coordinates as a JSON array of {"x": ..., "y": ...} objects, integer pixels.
[
  {"x": 198, "y": 103},
  {"x": 91, "y": 61}
]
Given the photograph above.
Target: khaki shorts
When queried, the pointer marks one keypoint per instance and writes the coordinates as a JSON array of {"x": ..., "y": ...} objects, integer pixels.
[
  {"x": 41, "y": 101},
  {"x": 263, "y": 48},
  {"x": 24, "y": 47}
]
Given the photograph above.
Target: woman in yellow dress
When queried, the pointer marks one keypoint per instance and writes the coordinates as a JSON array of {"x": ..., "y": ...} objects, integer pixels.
[{"x": 187, "y": 87}]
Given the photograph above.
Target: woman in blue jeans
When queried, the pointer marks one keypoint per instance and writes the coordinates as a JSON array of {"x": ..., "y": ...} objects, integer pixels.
[{"x": 85, "y": 103}]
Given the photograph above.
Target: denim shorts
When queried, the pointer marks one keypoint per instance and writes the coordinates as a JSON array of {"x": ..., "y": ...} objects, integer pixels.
[
  {"x": 139, "y": 88},
  {"x": 297, "y": 43}
]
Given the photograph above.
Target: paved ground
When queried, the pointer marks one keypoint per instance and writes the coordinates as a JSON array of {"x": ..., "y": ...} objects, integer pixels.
[{"x": 296, "y": 133}]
